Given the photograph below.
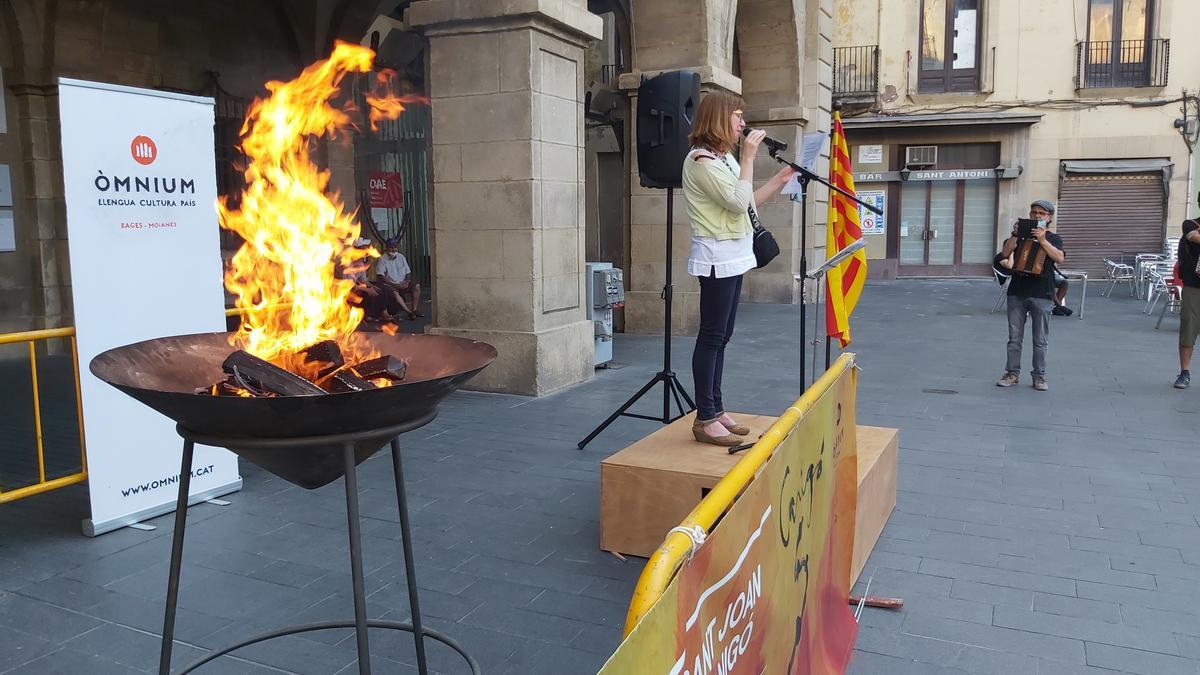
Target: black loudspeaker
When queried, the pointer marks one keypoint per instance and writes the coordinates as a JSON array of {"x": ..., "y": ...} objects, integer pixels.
[{"x": 665, "y": 110}]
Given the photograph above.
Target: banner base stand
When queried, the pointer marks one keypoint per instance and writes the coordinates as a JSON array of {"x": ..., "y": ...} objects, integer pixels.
[{"x": 92, "y": 528}]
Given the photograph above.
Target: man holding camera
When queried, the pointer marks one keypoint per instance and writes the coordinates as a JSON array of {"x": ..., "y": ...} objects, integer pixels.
[{"x": 1031, "y": 295}]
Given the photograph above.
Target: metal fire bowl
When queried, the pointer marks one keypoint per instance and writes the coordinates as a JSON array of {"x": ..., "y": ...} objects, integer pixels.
[{"x": 163, "y": 374}]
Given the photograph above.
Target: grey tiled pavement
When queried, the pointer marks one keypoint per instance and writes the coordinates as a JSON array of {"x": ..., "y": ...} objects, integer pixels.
[{"x": 1036, "y": 532}]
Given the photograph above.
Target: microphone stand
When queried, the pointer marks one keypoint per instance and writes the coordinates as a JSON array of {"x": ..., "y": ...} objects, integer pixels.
[{"x": 805, "y": 176}]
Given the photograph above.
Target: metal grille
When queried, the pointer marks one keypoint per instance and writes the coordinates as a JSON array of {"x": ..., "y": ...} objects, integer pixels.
[
  {"x": 401, "y": 146},
  {"x": 856, "y": 71},
  {"x": 1108, "y": 216},
  {"x": 1123, "y": 63}
]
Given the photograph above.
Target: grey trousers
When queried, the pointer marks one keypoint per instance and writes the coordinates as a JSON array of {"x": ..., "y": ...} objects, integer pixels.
[{"x": 1018, "y": 309}]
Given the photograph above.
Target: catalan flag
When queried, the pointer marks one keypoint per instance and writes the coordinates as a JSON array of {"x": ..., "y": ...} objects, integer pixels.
[{"x": 844, "y": 283}]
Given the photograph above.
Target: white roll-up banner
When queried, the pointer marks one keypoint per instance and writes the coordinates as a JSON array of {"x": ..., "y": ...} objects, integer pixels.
[{"x": 140, "y": 179}]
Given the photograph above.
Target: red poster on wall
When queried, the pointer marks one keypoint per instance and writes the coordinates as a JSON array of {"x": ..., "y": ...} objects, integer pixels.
[{"x": 387, "y": 190}]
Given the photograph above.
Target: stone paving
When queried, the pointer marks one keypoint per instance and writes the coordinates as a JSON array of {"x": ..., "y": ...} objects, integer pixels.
[{"x": 1035, "y": 532}]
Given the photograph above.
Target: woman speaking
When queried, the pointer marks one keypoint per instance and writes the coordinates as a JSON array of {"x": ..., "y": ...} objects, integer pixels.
[{"x": 719, "y": 192}]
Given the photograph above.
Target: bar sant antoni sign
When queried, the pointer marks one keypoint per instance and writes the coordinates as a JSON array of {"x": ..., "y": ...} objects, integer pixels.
[
  {"x": 140, "y": 181},
  {"x": 924, "y": 174}
]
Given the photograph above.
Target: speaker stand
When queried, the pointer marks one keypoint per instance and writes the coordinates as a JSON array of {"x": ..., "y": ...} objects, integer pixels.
[{"x": 672, "y": 389}]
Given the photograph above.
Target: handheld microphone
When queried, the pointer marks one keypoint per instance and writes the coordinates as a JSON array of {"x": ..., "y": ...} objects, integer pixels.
[{"x": 772, "y": 144}]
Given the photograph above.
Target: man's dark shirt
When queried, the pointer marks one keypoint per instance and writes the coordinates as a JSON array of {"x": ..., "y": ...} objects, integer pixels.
[
  {"x": 1041, "y": 286},
  {"x": 1188, "y": 253}
]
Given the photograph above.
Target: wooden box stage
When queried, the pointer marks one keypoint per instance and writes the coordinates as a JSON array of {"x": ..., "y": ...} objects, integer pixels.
[{"x": 651, "y": 486}]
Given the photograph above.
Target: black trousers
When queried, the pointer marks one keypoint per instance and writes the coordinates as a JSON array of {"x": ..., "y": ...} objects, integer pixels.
[{"x": 718, "y": 310}]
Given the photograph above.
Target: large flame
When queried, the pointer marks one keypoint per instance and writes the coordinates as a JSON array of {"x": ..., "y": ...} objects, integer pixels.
[{"x": 297, "y": 237}]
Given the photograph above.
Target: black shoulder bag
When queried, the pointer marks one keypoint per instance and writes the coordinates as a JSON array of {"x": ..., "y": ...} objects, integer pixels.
[{"x": 765, "y": 246}]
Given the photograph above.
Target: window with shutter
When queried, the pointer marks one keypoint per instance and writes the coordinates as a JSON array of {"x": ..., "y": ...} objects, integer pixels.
[{"x": 950, "y": 45}]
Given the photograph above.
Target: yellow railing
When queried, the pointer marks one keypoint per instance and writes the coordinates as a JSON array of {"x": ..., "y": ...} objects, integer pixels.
[
  {"x": 663, "y": 564},
  {"x": 43, "y": 485}
]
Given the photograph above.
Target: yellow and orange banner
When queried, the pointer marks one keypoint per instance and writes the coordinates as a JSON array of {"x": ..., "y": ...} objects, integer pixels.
[
  {"x": 768, "y": 590},
  {"x": 844, "y": 283}
]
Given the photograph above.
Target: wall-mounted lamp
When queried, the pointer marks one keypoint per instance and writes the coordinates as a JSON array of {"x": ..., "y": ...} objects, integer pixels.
[{"x": 1009, "y": 171}]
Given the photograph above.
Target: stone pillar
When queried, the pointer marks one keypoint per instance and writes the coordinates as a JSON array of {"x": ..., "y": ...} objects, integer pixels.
[
  {"x": 42, "y": 199},
  {"x": 506, "y": 91},
  {"x": 34, "y": 152},
  {"x": 670, "y": 35}
]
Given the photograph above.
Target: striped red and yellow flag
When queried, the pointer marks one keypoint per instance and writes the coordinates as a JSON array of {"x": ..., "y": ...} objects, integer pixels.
[{"x": 844, "y": 283}]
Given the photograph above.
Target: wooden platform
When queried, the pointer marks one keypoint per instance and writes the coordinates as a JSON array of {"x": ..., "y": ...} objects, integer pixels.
[
  {"x": 651, "y": 486},
  {"x": 877, "y": 456}
]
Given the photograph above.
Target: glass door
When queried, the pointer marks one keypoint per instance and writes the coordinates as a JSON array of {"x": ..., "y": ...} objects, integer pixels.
[
  {"x": 914, "y": 203},
  {"x": 943, "y": 211},
  {"x": 947, "y": 227},
  {"x": 979, "y": 222}
]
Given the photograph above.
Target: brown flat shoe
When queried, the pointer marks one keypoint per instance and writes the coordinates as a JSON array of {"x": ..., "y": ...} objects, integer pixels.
[
  {"x": 737, "y": 428},
  {"x": 729, "y": 440}
]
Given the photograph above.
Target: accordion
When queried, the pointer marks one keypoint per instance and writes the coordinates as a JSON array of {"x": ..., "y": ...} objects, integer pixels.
[{"x": 1029, "y": 258}]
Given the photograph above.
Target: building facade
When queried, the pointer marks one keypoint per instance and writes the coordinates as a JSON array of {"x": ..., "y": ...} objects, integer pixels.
[
  {"x": 520, "y": 169},
  {"x": 962, "y": 112}
]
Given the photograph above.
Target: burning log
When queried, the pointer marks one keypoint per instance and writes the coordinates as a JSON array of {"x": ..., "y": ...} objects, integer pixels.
[
  {"x": 384, "y": 366},
  {"x": 345, "y": 381},
  {"x": 327, "y": 354},
  {"x": 262, "y": 378}
]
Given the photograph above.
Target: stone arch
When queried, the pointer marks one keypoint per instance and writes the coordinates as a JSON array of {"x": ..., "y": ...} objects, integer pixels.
[
  {"x": 770, "y": 43},
  {"x": 30, "y": 34}
]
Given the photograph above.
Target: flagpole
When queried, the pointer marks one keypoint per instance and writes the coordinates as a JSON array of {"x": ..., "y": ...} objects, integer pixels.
[
  {"x": 805, "y": 176},
  {"x": 825, "y": 318}
]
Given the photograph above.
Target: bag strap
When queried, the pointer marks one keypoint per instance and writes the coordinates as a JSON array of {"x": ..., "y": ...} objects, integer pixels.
[{"x": 754, "y": 222}]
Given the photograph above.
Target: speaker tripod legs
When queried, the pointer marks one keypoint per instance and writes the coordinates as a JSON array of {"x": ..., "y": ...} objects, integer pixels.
[{"x": 672, "y": 389}]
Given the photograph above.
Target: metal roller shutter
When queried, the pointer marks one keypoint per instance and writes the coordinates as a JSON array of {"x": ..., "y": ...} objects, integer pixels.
[{"x": 1102, "y": 216}]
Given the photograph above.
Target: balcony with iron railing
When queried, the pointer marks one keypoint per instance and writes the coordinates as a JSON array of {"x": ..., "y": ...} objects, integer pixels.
[
  {"x": 856, "y": 72},
  {"x": 1122, "y": 63}
]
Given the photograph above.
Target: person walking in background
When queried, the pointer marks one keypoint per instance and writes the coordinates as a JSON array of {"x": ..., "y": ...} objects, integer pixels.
[
  {"x": 1189, "y": 301},
  {"x": 1032, "y": 296},
  {"x": 720, "y": 194}
]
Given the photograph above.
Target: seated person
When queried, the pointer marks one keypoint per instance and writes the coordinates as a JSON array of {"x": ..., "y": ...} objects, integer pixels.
[
  {"x": 378, "y": 303},
  {"x": 393, "y": 273}
]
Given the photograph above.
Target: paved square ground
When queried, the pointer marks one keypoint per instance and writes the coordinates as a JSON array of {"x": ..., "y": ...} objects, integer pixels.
[{"x": 1036, "y": 532}]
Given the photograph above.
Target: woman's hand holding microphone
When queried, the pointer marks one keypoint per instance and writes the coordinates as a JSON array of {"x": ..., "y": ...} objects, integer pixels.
[{"x": 753, "y": 138}]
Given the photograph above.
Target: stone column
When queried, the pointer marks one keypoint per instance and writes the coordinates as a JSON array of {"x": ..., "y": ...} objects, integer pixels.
[
  {"x": 42, "y": 198},
  {"x": 506, "y": 90}
]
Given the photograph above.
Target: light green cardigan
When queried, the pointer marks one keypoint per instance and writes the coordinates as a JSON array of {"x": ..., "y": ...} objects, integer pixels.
[{"x": 717, "y": 198}]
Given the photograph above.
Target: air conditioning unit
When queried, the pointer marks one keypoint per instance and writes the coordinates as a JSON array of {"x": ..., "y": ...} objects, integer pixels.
[{"x": 920, "y": 155}]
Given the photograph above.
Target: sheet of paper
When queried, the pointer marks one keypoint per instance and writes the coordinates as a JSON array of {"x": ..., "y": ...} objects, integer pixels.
[
  {"x": 810, "y": 149},
  {"x": 793, "y": 187}
]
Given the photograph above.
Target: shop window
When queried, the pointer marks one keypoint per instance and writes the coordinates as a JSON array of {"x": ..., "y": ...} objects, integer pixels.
[{"x": 950, "y": 45}]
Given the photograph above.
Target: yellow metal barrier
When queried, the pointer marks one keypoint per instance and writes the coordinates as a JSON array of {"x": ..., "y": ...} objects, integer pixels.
[
  {"x": 663, "y": 564},
  {"x": 43, "y": 485},
  {"x": 31, "y": 338}
]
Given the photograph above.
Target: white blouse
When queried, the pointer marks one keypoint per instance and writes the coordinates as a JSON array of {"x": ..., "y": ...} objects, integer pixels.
[{"x": 725, "y": 257}]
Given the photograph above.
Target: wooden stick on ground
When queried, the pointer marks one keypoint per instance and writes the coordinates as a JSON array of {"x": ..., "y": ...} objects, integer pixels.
[{"x": 877, "y": 601}]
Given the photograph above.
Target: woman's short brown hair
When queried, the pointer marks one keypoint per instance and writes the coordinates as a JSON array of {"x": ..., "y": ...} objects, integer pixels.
[{"x": 712, "y": 129}]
